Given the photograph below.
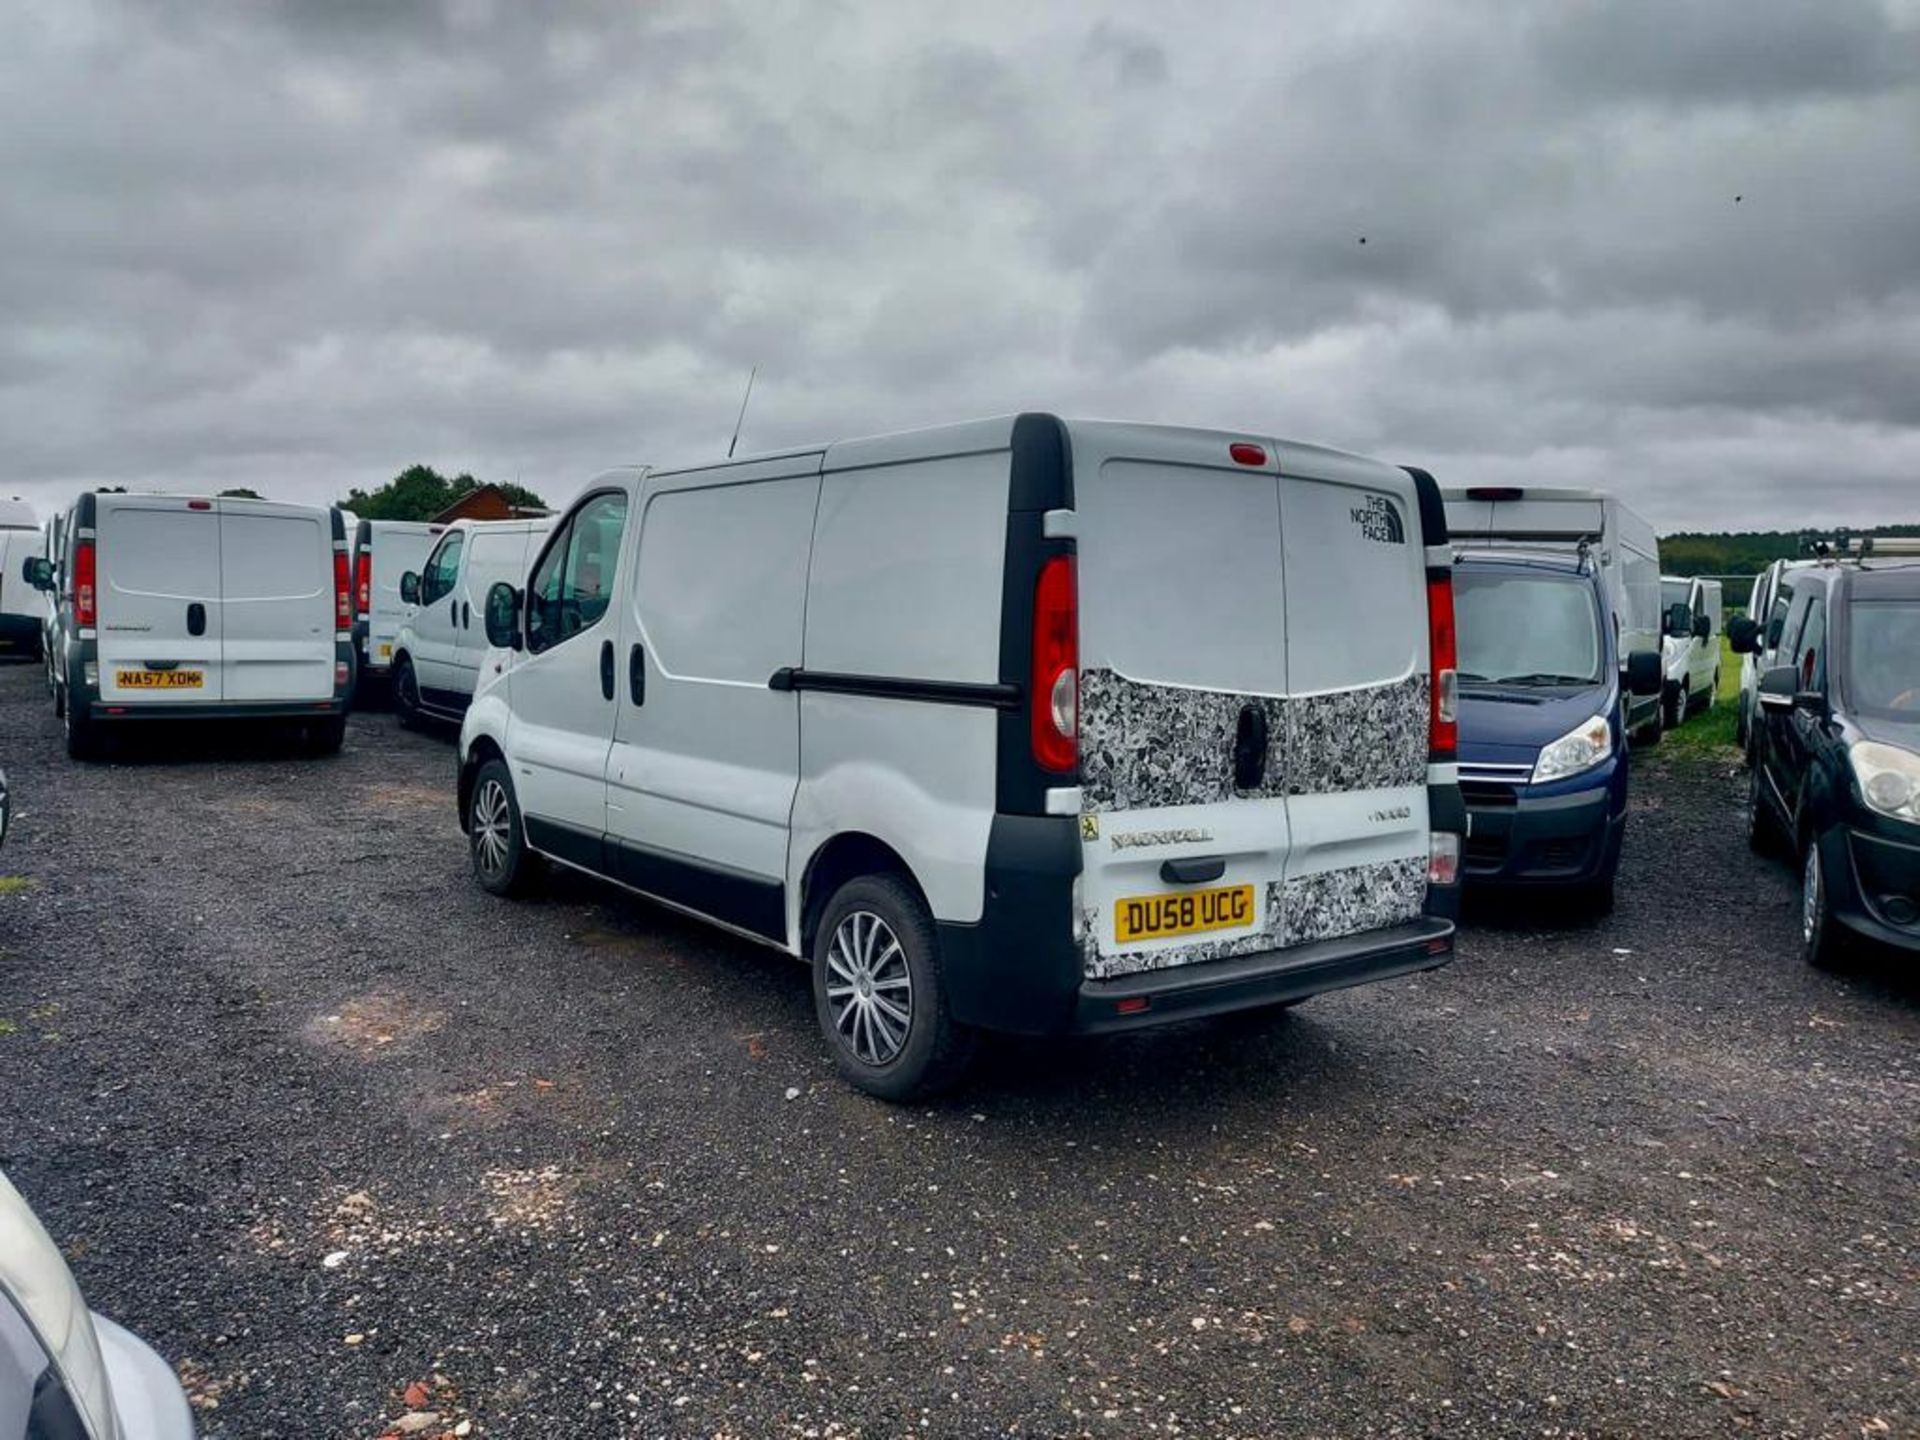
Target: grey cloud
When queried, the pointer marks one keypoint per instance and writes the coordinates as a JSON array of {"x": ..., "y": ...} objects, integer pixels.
[{"x": 317, "y": 241}]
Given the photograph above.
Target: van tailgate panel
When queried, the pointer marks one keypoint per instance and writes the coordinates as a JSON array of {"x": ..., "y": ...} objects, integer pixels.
[
  {"x": 277, "y": 578},
  {"x": 156, "y": 559}
]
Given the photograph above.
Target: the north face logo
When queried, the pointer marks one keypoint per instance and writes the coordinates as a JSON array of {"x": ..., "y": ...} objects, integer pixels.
[{"x": 1379, "y": 520}]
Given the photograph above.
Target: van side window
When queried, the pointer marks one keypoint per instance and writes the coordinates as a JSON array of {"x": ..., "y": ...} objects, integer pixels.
[
  {"x": 1776, "y": 617},
  {"x": 1811, "y": 650},
  {"x": 573, "y": 584},
  {"x": 1788, "y": 636},
  {"x": 443, "y": 566}
]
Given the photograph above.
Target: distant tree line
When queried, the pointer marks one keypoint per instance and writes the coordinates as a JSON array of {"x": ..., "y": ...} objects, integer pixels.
[
  {"x": 420, "y": 492},
  {"x": 1741, "y": 552}
]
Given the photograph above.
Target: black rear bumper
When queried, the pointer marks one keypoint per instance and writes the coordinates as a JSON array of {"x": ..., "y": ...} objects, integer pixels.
[
  {"x": 114, "y": 711},
  {"x": 1274, "y": 977},
  {"x": 20, "y": 635}
]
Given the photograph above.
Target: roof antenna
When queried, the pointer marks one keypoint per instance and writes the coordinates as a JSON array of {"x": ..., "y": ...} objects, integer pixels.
[{"x": 743, "y": 411}]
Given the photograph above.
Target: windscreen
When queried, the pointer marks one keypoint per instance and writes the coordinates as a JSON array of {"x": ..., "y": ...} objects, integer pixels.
[
  {"x": 1526, "y": 629},
  {"x": 1883, "y": 658}
]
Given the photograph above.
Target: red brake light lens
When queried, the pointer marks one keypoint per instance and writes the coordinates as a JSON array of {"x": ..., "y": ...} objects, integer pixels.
[
  {"x": 342, "y": 598},
  {"x": 1053, "y": 706},
  {"x": 363, "y": 583},
  {"x": 1443, "y": 732},
  {"x": 84, "y": 609},
  {"x": 1245, "y": 454}
]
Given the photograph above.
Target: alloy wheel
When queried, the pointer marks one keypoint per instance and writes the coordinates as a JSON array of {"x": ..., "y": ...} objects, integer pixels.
[
  {"x": 492, "y": 826},
  {"x": 869, "y": 988}
]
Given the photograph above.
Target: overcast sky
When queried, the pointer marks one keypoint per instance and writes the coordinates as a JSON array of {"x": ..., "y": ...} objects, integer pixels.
[{"x": 1667, "y": 246}]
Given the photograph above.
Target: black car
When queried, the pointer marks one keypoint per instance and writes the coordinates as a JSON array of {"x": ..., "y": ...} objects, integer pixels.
[{"x": 1836, "y": 752}]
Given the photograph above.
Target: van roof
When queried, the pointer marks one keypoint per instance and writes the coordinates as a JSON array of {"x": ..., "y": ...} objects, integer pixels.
[{"x": 995, "y": 432}]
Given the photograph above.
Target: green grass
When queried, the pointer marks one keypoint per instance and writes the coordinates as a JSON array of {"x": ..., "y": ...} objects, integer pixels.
[
  {"x": 15, "y": 884},
  {"x": 1711, "y": 733}
]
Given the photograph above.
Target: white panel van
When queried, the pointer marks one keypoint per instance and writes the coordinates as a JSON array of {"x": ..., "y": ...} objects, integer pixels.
[
  {"x": 1692, "y": 615},
  {"x": 384, "y": 551},
  {"x": 1503, "y": 516},
  {"x": 22, "y": 614},
  {"x": 1023, "y": 724},
  {"x": 437, "y": 649},
  {"x": 177, "y": 607}
]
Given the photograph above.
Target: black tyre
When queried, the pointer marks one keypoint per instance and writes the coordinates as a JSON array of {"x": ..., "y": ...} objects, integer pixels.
[
  {"x": 496, "y": 840},
  {"x": 1673, "y": 706},
  {"x": 878, "y": 994},
  {"x": 83, "y": 735},
  {"x": 1651, "y": 732},
  {"x": 406, "y": 694},
  {"x": 1823, "y": 940},
  {"x": 1763, "y": 832},
  {"x": 325, "y": 737},
  {"x": 1596, "y": 897},
  {"x": 59, "y": 700}
]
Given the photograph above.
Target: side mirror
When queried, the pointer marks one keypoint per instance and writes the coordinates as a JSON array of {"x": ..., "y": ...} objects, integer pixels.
[
  {"x": 37, "y": 571},
  {"x": 410, "y": 587},
  {"x": 1778, "y": 687},
  {"x": 1643, "y": 673},
  {"x": 1744, "y": 635},
  {"x": 1703, "y": 627},
  {"x": 1679, "y": 619},
  {"x": 503, "y": 616}
]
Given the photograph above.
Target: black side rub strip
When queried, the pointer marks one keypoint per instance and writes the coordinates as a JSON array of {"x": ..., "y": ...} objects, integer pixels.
[{"x": 896, "y": 687}]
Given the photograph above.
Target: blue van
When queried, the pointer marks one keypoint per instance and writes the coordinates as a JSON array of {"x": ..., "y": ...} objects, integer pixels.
[{"x": 1543, "y": 759}]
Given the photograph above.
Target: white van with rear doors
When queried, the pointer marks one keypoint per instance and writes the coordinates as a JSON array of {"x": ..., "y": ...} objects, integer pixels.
[
  {"x": 22, "y": 613},
  {"x": 438, "y": 648},
  {"x": 180, "y": 608},
  {"x": 1022, "y": 724},
  {"x": 1692, "y": 615},
  {"x": 1623, "y": 543},
  {"x": 383, "y": 551}
]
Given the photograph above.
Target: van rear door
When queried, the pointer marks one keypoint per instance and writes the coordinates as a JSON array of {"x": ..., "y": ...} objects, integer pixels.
[
  {"x": 396, "y": 549},
  {"x": 1253, "y": 701},
  {"x": 276, "y": 577},
  {"x": 160, "y": 617}
]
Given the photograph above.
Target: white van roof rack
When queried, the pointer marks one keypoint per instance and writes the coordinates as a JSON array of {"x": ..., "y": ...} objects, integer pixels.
[
  {"x": 1843, "y": 544},
  {"x": 1581, "y": 547}
]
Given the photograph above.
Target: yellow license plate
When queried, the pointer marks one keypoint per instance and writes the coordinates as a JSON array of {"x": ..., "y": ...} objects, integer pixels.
[
  {"x": 1190, "y": 912},
  {"x": 160, "y": 679},
  {"x": 386, "y": 652}
]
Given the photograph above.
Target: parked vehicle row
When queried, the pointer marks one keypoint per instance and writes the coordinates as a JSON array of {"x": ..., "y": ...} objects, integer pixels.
[{"x": 1027, "y": 725}]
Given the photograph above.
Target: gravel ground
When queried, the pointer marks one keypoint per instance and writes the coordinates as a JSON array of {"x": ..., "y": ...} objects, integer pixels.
[{"x": 350, "y": 1141}]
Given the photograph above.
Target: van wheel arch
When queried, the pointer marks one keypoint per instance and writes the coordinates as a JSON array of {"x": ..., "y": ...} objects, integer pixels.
[
  {"x": 846, "y": 857},
  {"x": 482, "y": 750}
]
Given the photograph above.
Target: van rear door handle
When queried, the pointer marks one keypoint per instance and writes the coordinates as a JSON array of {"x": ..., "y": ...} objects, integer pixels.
[
  {"x": 637, "y": 674},
  {"x": 196, "y": 619},
  {"x": 1195, "y": 871},
  {"x": 606, "y": 669}
]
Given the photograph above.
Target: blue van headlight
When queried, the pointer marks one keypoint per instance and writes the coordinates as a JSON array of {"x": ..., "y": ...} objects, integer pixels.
[{"x": 1581, "y": 748}]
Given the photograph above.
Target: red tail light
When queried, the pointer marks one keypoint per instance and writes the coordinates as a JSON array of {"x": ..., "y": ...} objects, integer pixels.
[
  {"x": 84, "y": 609},
  {"x": 363, "y": 583},
  {"x": 342, "y": 598},
  {"x": 1053, "y": 707},
  {"x": 1443, "y": 732}
]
